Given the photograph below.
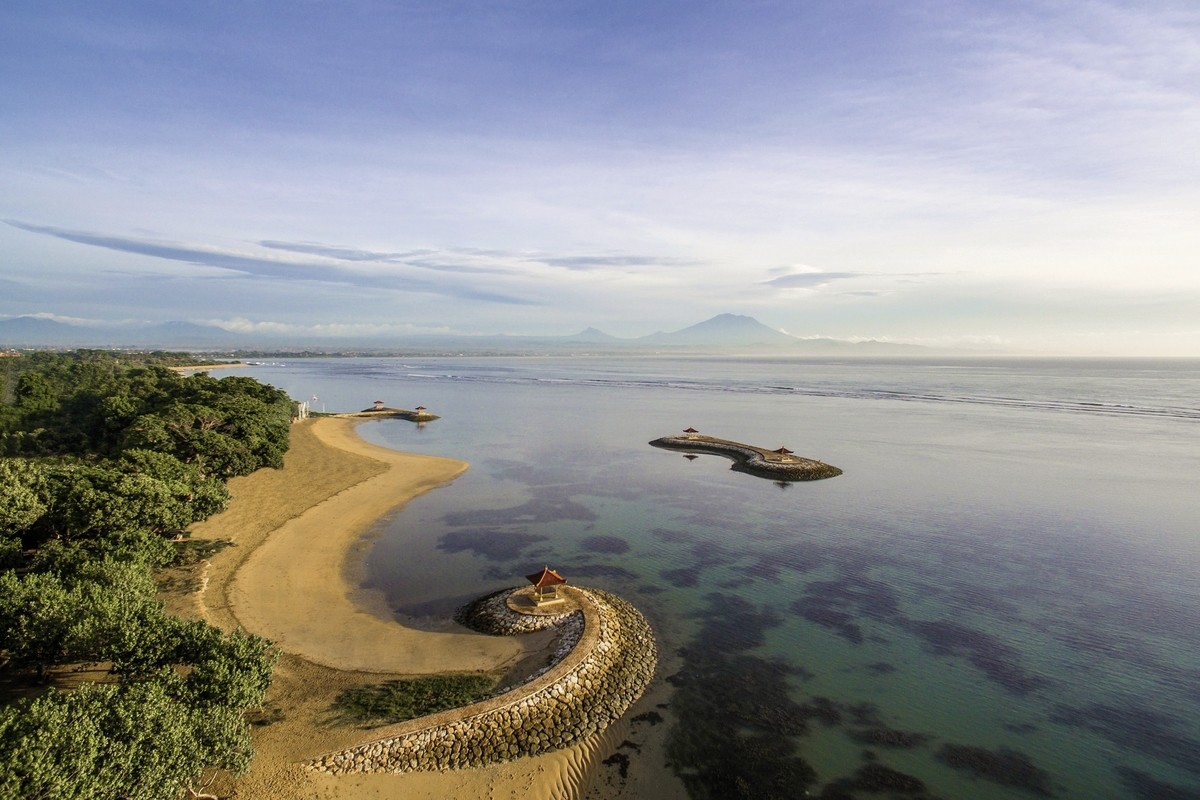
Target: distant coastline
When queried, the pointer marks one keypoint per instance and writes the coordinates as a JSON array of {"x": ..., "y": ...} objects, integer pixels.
[{"x": 206, "y": 367}]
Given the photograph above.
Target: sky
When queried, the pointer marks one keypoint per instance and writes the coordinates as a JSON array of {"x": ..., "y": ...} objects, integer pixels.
[{"x": 1021, "y": 176}]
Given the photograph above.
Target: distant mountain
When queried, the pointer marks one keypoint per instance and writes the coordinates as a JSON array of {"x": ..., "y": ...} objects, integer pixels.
[
  {"x": 188, "y": 334},
  {"x": 723, "y": 330},
  {"x": 594, "y": 336},
  {"x": 722, "y": 333},
  {"x": 39, "y": 332}
]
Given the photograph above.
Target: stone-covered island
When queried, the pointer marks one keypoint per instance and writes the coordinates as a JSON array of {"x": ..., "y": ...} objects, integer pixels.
[{"x": 777, "y": 465}]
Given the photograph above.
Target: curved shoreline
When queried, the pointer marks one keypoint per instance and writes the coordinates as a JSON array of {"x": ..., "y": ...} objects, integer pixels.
[
  {"x": 753, "y": 460},
  {"x": 293, "y": 589},
  {"x": 328, "y": 459}
]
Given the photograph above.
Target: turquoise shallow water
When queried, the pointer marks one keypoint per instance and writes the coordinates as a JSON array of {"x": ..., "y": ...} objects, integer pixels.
[{"x": 997, "y": 598}]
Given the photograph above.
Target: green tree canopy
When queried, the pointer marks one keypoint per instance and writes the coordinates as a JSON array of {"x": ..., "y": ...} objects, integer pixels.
[{"x": 104, "y": 457}]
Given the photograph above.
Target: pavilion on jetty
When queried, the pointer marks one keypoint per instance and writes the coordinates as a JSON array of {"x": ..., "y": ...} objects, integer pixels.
[
  {"x": 545, "y": 585},
  {"x": 380, "y": 409},
  {"x": 778, "y": 465}
]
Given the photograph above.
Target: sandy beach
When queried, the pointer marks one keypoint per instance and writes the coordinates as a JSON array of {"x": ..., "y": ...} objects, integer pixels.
[{"x": 287, "y": 575}]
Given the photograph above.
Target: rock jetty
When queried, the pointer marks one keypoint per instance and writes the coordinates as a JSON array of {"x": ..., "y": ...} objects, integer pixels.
[
  {"x": 778, "y": 465},
  {"x": 381, "y": 412},
  {"x": 602, "y": 667}
]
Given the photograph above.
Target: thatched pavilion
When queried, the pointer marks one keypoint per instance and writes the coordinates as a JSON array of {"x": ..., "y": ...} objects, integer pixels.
[{"x": 545, "y": 585}]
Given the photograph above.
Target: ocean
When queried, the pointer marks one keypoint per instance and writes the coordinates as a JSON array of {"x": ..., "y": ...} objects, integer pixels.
[{"x": 997, "y": 599}]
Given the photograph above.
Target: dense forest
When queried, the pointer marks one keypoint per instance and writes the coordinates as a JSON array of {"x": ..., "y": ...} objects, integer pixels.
[{"x": 102, "y": 459}]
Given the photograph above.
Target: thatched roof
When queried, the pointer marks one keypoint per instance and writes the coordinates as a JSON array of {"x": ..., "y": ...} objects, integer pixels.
[{"x": 547, "y": 577}]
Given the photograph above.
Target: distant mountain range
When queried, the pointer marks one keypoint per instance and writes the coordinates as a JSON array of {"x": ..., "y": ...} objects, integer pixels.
[
  {"x": 722, "y": 333},
  {"x": 39, "y": 332},
  {"x": 723, "y": 330}
]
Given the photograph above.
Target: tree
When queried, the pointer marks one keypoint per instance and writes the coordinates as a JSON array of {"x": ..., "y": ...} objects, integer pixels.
[
  {"x": 124, "y": 454},
  {"x": 21, "y": 483},
  {"x": 138, "y": 742},
  {"x": 37, "y": 612}
]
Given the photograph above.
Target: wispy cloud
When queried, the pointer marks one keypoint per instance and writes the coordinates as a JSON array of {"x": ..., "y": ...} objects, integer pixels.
[
  {"x": 810, "y": 280},
  {"x": 424, "y": 258},
  {"x": 588, "y": 263},
  {"x": 262, "y": 267},
  {"x": 343, "y": 253}
]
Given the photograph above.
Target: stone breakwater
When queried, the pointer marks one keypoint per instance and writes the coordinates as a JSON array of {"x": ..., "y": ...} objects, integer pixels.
[
  {"x": 753, "y": 460},
  {"x": 607, "y": 670},
  {"x": 494, "y": 615}
]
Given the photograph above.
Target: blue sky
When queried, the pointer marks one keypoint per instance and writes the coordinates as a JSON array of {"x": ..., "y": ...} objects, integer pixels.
[{"x": 1022, "y": 175}]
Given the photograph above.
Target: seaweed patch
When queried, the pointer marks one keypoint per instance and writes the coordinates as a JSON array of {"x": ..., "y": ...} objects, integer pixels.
[
  {"x": 988, "y": 654},
  {"x": 1147, "y": 788},
  {"x": 734, "y": 714},
  {"x": 1137, "y": 729},
  {"x": 1004, "y": 767},
  {"x": 492, "y": 545},
  {"x": 820, "y": 613},
  {"x": 606, "y": 544},
  {"x": 883, "y": 736}
]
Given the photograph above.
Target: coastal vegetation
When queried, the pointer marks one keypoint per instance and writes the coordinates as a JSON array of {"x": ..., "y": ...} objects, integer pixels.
[
  {"x": 400, "y": 700},
  {"x": 104, "y": 460}
]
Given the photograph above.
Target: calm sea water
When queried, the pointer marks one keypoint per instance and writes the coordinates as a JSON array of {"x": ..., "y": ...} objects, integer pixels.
[{"x": 998, "y": 597}]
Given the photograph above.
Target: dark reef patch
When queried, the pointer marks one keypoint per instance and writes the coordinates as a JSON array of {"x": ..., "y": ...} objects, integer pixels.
[
  {"x": 1004, "y": 767},
  {"x": 880, "y": 668},
  {"x": 797, "y": 557},
  {"x": 606, "y": 544},
  {"x": 1136, "y": 729},
  {"x": 682, "y": 577},
  {"x": 1147, "y": 788},
  {"x": 733, "y": 624},
  {"x": 875, "y": 777},
  {"x": 671, "y": 535},
  {"x": 840, "y": 605},
  {"x": 707, "y": 555},
  {"x": 734, "y": 714},
  {"x": 823, "y": 710},
  {"x": 986, "y": 653},
  {"x": 492, "y": 545},
  {"x": 829, "y": 618},
  {"x": 866, "y": 714},
  {"x": 883, "y": 736},
  {"x": 539, "y": 509}
]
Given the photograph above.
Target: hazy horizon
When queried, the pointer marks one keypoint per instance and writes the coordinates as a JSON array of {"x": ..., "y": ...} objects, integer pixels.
[{"x": 1019, "y": 178}]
